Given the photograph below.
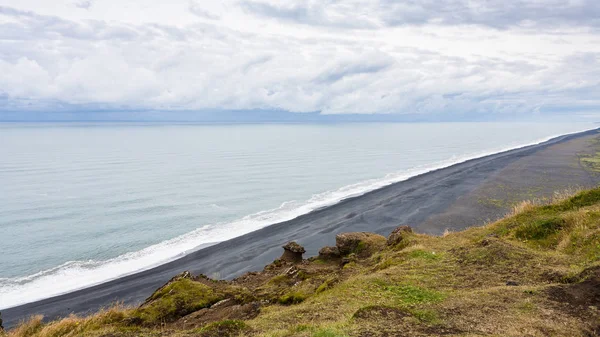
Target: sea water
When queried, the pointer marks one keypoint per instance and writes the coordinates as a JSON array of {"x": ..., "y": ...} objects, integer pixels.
[{"x": 81, "y": 204}]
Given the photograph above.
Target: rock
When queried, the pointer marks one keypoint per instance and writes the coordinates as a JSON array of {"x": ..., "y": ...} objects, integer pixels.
[
  {"x": 362, "y": 244},
  {"x": 292, "y": 252},
  {"x": 231, "y": 311},
  {"x": 291, "y": 271},
  {"x": 1, "y": 326},
  {"x": 329, "y": 253},
  {"x": 512, "y": 283},
  {"x": 398, "y": 235},
  {"x": 294, "y": 247},
  {"x": 223, "y": 303}
]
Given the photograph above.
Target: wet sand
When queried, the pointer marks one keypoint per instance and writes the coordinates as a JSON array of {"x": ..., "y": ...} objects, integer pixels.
[{"x": 460, "y": 196}]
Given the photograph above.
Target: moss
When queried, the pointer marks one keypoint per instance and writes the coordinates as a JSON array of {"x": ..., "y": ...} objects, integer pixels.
[
  {"x": 327, "y": 284},
  {"x": 360, "y": 247},
  {"x": 292, "y": 298},
  {"x": 350, "y": 265},
  {"x": 302, "y": 275},
  {"x": 176, "y": 300}
]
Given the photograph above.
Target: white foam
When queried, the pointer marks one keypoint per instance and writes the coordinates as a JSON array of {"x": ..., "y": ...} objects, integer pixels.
[{"x": 76, "y": 275}]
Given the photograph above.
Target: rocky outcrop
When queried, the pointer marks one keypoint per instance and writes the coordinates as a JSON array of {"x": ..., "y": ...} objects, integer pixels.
[
  {"x": 399, "y": 235},
  {"x": 362, "y": 244},
  {"x": 329, "y": 253},
  {"x": 292, "y": 252}
]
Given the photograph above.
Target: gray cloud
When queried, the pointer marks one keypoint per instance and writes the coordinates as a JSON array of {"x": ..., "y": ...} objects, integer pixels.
[
  {"x": 345, "y": 69},
  {"x": 84, "y": 4},
  {"x": 196, "y": 9},
  {"x": 493, "y": 13},
  {"x": 256, "y": 62},
  {"x": 310, "y": 14},
  {"x": 499, "y": 14}
]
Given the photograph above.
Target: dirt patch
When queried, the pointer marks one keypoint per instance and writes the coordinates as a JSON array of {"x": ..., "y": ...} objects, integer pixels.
[
  {"x": 398, "y": 331},
  {"x": 385, "y": 321},
  {"x": 380, "y": 312},
  {"x": 581, "y": 299},
  {"x": 219, "y": 313},
  {"x": 585, "y": 293}
]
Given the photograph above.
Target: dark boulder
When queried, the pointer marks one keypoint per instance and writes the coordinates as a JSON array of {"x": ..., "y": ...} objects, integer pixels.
[
  {"x": 292, "y": 252},
  {"x": 399, "y": 235},
  {"x": 329, "y": 253},
  {"x": 362, "y": 244}
]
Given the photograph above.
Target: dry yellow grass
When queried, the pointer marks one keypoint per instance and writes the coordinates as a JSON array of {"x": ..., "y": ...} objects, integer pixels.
[{"x": 522, "y": 207}]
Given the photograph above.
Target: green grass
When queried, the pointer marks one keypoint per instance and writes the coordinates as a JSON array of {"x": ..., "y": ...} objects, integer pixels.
[
  {"x": 409, "y": 294},
  {"x": 176, "y": 300},
  {"x": 425, "y": 255}
]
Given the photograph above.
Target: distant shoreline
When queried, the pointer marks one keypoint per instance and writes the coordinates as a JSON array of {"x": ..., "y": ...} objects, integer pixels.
[{"x": 411, "y": 201}]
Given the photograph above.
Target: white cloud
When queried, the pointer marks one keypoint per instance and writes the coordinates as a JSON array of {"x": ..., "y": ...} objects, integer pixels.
[{"x": 331, "y": 56}]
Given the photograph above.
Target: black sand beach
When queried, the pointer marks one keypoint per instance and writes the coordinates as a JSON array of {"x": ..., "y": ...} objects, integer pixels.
[{"x": 460, "y": 196}]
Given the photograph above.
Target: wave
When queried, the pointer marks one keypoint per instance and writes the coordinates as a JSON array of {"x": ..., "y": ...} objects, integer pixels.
[{"x": 75, "y": 275}]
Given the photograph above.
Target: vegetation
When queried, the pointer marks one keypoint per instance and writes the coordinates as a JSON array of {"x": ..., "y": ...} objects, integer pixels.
[
  {"x": 534, "y": 273},
  {"x": 174, "y": 301}
]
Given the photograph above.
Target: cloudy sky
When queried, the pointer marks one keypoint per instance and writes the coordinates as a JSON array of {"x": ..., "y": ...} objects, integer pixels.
[{"x": 381, "y": 56}]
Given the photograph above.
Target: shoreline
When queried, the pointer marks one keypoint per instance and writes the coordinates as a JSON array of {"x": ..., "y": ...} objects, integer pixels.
[
  {"x": 33, "y": 285},
  {"x": 414, "y": 199}
]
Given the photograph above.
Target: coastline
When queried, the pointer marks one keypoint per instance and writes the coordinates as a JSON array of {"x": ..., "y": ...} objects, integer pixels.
[{"x": 410, "y": 201}]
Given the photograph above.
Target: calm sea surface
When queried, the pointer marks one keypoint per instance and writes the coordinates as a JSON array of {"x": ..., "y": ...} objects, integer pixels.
[{"x": 84, "y": 203}]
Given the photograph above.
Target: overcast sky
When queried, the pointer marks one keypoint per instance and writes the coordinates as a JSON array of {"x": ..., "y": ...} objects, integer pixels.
[{"x": 380, "y": 56}]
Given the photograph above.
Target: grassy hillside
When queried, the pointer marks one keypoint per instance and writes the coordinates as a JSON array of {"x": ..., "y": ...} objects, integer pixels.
[{"x": 534, "y": 273}]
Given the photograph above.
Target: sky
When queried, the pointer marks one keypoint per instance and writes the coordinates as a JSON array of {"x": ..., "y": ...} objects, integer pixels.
[{"x": 440, "y": 58}]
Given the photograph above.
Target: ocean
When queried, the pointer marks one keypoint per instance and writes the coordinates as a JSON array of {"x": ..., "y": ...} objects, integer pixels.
[{"x": 82, "y": 204}]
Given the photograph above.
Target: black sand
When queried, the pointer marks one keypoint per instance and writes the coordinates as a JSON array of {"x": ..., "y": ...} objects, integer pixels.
[{"x": 456, "y": 197}]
